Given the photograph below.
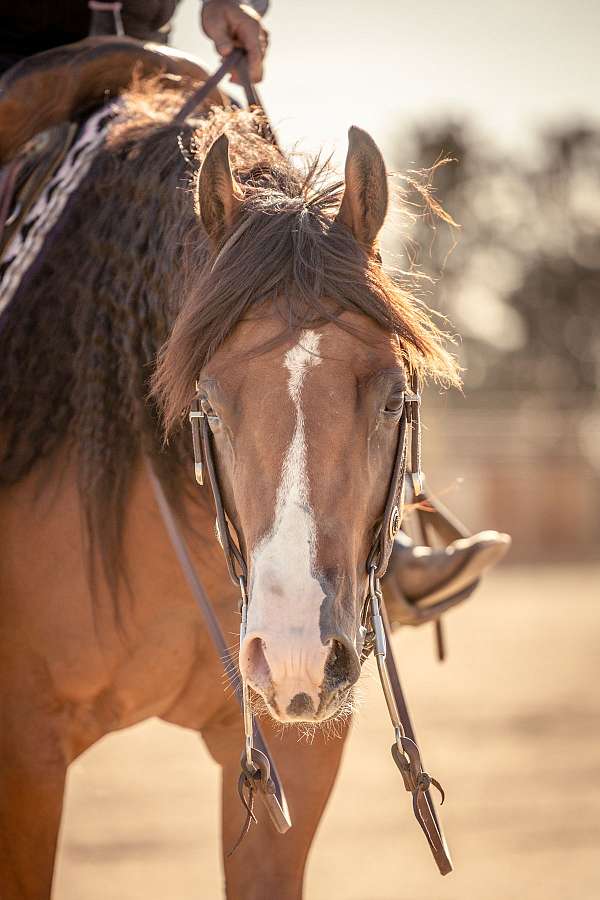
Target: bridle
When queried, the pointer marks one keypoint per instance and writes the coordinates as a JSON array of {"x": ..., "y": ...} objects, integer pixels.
[
  {"x": 258, "y": 773},
  {"x": 384, "y": 532},
  {"x": 374, "y": 626}
]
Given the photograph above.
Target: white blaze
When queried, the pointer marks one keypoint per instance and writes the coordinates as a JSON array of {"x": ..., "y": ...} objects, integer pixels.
[{"x": 285, "y": 596}]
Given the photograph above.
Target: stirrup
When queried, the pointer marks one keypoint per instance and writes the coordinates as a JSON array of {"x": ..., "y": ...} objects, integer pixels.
[{"x": 437, "y": 527}]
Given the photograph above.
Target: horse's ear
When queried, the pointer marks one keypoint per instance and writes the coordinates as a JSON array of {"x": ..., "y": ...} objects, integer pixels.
[
  {"x": 365, "y": 200},
  {"x": 218, "y": 197}
]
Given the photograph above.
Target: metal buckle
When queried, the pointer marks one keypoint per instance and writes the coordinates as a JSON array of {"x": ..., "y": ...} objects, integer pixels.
[
  {"x": 194, "y": 416},
  {"x": 395, "y": 521}
]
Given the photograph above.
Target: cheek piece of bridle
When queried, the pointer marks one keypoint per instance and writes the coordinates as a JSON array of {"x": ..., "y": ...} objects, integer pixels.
[{"x": 259, "y": 774}]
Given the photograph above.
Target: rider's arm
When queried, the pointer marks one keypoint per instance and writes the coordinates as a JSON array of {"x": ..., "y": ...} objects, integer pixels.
[{"x": 231, "y": 24}]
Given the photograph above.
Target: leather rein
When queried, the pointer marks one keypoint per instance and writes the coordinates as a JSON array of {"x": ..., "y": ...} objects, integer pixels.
[{"x": 258, "y": 773}]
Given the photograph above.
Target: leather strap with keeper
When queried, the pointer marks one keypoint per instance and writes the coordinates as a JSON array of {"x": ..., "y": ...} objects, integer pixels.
[
  {"x": 416, "y": 780},
  {"x": 408, "y": 446},
  {"x": 405, "y": 750}
]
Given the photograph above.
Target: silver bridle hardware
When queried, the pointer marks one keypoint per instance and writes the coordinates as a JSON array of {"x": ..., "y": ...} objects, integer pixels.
[
  {"x": 246, "y": 706},
  {"x": 416, "y": 474},
  {"x": 395, "y": 521},
  {"x": 196, "y": 414},
  {"x": 198, "y": 464}
]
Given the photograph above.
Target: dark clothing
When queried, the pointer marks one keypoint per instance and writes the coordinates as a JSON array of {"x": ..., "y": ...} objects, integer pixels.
[{"x": 30, "y": 26}]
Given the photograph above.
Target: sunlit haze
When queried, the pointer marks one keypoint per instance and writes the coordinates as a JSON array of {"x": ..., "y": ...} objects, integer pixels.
[{"x": 509, "y": 66}]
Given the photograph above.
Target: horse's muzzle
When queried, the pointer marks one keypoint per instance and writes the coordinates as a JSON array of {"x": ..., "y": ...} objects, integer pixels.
[{"x": 299, "y": 682}]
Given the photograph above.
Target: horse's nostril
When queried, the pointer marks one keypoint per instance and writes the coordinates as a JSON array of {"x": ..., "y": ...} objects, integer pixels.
[
  {"x": 340, "y": 667},
  {"x": 256, "y": 665}
]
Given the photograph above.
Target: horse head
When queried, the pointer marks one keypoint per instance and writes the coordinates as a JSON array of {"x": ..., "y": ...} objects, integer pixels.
[{"x": 301, "y": 348}]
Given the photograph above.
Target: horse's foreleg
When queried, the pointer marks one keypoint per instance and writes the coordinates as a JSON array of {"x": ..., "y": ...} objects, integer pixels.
[
  {"x": 267, "y": 864},
  {"x": 32, "y": 777}
]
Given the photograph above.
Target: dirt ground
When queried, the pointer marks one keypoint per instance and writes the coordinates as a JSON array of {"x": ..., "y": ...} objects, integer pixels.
[{"x": 510, "y": 724}]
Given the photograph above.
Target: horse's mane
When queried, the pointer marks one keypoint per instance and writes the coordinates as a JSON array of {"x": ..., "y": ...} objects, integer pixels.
[{"x": 130, "y": 274}]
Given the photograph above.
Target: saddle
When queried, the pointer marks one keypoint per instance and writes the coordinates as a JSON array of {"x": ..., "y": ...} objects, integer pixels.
[
  {"x": 44, "y": 98},
  {"x": 61, "y": 84}
]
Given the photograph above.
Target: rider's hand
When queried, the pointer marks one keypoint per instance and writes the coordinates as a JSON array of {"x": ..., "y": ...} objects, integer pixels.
[{"x": 229, "y": 25}]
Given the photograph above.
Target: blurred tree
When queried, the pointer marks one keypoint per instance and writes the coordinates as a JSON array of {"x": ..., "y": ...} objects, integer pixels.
[{"x": 520, "y": 278}]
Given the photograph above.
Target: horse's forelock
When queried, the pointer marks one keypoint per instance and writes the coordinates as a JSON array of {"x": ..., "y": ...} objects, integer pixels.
[{"x": 287, "y": 250}]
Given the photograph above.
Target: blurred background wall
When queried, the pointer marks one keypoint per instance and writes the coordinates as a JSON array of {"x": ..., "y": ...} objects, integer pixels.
[{"x": 509, "y": 91}]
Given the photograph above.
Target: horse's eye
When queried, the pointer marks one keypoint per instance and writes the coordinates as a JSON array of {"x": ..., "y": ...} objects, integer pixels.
[{"x": 394, "y": 402}]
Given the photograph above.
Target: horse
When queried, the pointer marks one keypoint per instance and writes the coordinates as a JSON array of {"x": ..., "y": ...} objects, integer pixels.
[{"x": 196, "y": 254}]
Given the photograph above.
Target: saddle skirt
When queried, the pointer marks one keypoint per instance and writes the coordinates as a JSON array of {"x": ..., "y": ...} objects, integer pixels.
[{"x": 62, "y": 84}]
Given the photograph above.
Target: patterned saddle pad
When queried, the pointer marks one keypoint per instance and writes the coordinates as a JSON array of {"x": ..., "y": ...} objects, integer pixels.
[{"x": 44, "y": 176}]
